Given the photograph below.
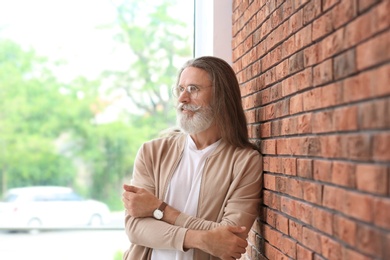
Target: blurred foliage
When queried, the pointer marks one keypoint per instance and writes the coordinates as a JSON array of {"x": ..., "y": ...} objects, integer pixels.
[{"x": 49, "y": 130}]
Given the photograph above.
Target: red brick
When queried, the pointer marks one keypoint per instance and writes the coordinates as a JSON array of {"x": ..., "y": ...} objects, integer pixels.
[
  {"x": 373, "y": 52},
  {"x": 288, "y": 206},
  {"x": 359, "y": 206},
  {"x": 289, "y": 166},
  {"x": 323, "y": 121},
  {"x": 281, "y": 70},
  {"x": 281, "y": 223},
  {"x": 275, "y": 93},
  {"x": 265, "y": 130},
  {"x": 280, "y": 183},
  {"x": 272, "y": 253},
  {"x": 268, "y": 198},
  {"x": 379, "y": 81},
  {"x": 294, "y": 188},
  {"x": 312, "y": 192},
  {"x": 323, "y": 73},
  {"x": 344, "y": 12},
  {"x": 276, "y": 127},
  {"x": 304, "y": 123},
  {"x": 381, "y": 19},
  {"x": 330, "y": 248},
  {"x": 288, "y": 8},
  {"x": 365, "y": 4},
  {"x": 304, "y": 78},
  {"x": 373, "y": 178},
  {"x": 296, "y": 104},
  {"x": 323, "y": 220},
  {"x": 343, "y": 173},
  {"x": 375, "y": 114},
  {"x": 328, "y": 147},
  {"x": 332, "y": 198},
  {"x": 357, "y": 88},
  {"x": 382, "y": 209},
  {"x": 313, "y": 54},
  {"x": 322, "y": 170},
  {"x": 328, "y": 4},
  {"x": 305, "y": 168},
  {"x": 331, "y": 95},
  {"x": 386, "y": 248},
  {"x": 272, "y": 236},
  {"x": 322, "y": 26},
  {"x": 344, "y": 64},
  {"x": 381, "y": 144},
  {"x": 269, "y": 77},
  {"x": 269, "y": 112},
  {"x": 269, "y": 181},
  {"x": 351, "y": 254},
  {"x": 311, "y": 239},
  {"x": 311, "y": 98},
  {"x": 296, "y": 21},
  {"x": 295, "y": 230},
  {"x": 304, "y": 253},
  {"x": 289, "y": 126},
  {"x": 369, "y": 240},
  {"x": 288, "y": 247},
  {"x": 311, "y": 11},
  {"x": 288, "y": 47},
  {"x": 268, "y": 147},
  {"x": 296, "y": 62},
  {"x": 345, "y": 229},
  {"x": 333, "y": 44},
  {"x": 303, "y": 37},
  {"x": 357, "y": 147},
  {"x": 346, "y": 118},
  {"x": 358, "y": 30},
  {"x": 269, "y": 217}
]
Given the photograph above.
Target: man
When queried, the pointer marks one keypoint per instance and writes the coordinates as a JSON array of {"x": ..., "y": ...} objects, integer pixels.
[{"x": 195, "y": 193}]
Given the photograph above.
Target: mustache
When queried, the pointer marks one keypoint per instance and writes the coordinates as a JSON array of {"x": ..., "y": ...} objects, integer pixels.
[{"x": 189, "y": 107}]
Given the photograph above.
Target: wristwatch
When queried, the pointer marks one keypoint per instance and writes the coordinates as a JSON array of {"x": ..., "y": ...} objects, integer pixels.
[{"x": 159, "y": 212}]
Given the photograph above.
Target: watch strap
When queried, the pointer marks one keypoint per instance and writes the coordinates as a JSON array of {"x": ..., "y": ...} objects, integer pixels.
[{"x": 162, "y": 206}]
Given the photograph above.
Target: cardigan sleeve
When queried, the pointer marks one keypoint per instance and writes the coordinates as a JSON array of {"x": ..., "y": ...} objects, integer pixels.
[{"x": 150, "y": 232}]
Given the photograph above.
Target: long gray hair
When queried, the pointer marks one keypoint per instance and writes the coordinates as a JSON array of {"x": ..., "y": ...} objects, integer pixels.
[{"x": 227, "y": 107}]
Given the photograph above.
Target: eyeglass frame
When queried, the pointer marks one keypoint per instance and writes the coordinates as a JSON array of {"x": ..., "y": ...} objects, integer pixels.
[{"x": 176, "y": 92}]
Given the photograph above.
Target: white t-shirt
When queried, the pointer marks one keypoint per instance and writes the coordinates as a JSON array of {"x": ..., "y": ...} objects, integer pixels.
[{"x": 183, "y": 191}]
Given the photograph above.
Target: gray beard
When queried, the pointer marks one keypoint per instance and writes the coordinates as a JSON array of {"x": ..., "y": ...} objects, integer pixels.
[{"x": 198, "y": 122}]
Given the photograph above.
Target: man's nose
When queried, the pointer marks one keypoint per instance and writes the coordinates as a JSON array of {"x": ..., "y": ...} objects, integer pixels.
[{"x": 184, "y": 97}]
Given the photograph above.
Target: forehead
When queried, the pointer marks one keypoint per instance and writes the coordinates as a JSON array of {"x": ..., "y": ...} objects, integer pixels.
[{"x": 196, "y": 76}]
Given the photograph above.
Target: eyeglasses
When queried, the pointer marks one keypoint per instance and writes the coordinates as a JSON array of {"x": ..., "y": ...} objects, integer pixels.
[{"x": 190, "y": 89}]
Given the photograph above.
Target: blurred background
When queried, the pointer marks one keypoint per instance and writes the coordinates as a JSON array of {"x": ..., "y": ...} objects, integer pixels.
[{"x": 82, "y": 85}]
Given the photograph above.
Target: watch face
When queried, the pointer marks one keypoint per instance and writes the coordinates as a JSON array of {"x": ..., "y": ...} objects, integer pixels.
[{"x": 158, "y": 214}]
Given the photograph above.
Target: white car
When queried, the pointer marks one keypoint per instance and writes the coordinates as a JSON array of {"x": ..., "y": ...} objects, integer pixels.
[{"x": 49, "y": 207}]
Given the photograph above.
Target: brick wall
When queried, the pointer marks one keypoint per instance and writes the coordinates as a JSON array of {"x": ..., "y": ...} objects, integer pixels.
[{"x": 315, "y": 82}]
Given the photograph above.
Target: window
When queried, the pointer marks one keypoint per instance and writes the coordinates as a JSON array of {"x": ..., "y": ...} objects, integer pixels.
[{"x": 82, "y": 84}]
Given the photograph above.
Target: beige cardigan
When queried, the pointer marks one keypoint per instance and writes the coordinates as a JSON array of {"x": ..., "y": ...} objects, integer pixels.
[{"x": 229, "y": 194}]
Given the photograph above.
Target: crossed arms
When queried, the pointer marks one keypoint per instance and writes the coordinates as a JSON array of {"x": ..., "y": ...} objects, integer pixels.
[{"x": 225, "y": 239}]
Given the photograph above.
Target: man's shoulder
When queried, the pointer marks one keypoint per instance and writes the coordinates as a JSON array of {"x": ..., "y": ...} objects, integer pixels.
[
  {"x": 166, "y": 140},
  {"x": 240, "y": 151}
]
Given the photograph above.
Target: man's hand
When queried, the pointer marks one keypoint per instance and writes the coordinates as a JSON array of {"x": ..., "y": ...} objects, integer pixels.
[
  {"x": 139, "y": 202},
  {"x": 223, "y": 242}
]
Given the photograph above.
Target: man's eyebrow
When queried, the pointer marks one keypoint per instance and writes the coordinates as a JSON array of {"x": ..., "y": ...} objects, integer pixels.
[{"x": 190, "y": 84}]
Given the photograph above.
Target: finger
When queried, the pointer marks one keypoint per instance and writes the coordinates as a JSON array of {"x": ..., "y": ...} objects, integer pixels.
[
  {"x": 130, "y": 188},
  {"x": 237, "y": 229}
]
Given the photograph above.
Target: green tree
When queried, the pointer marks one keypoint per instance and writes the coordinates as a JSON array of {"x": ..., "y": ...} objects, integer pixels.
[
  {"x": 159, "y": 44},
  {"x": 29, "y": 120}
]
